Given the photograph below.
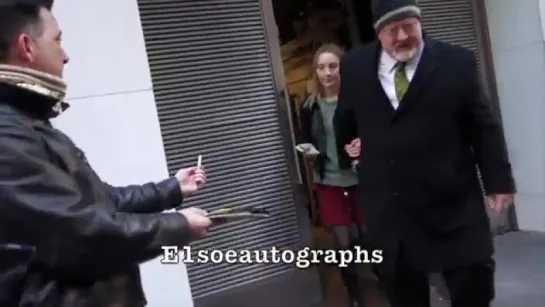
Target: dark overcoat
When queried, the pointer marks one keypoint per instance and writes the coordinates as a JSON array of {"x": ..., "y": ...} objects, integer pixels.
[{"x": 417, "y": 170}]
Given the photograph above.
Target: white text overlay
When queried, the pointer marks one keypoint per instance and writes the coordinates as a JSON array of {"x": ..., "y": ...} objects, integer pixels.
[{"x": 301, "y": 258}]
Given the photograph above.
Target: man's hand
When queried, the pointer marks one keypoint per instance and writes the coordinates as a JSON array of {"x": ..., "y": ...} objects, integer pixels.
[
  {"x": 353, "y": 149},
  {"x": 191, "y": 179},
  {"x": 198, "y": 221},
  {"x": 499, "y": 202}
]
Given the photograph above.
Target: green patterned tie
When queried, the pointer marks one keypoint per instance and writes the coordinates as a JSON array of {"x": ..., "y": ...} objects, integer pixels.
[{"x": 401, "y": 80}]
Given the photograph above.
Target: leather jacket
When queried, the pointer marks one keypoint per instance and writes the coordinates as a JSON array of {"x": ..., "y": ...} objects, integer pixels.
[{"x": 66, "y": 237}]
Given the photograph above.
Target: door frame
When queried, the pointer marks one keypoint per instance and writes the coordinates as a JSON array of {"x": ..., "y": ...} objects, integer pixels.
[{"x": 287, "y": 125}]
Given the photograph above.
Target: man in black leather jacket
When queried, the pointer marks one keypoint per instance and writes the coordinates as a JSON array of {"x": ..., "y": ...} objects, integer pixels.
[{"x": 66, "y": 237}]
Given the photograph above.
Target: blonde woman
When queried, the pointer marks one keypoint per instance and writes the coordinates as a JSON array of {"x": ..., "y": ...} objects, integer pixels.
[{"x": 336, "y": 183}]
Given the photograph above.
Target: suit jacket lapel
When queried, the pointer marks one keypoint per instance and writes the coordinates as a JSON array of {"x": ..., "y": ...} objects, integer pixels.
[{"x": 424, "y": 71}]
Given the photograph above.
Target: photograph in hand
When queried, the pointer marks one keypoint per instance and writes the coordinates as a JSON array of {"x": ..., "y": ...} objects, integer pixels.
[
  {"x": 226, "y": 215},
  {"x": 307, "y": 149}
]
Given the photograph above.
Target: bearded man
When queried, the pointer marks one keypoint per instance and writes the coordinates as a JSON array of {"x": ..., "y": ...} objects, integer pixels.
[{"x": 416, "y": 107}]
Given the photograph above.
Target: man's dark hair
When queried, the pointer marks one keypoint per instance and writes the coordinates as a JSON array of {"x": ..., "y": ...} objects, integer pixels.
[{"x": 18, "y": 16}]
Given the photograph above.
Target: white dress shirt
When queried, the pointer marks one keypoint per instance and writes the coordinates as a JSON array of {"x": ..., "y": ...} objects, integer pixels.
[{"x": 386, "y": 73}]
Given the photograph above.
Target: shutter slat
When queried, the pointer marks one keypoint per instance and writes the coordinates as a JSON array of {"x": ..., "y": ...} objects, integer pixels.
[
  {"x": 234, "y": 269},
  {"x": 213, "y": 85},
  {"x": 187, "y": 69},
  {"x": 248, "y": 90},
  {"x": 195, "y": 137},
  {"x": 220, "y": 82},
  {"x": 239, "y": 49},
  {"x": 220, "y": 105},
  {"x": 239, "y": 275},
  {"x": 451, "y": 21},
  {"x": 175, "y": 39}
]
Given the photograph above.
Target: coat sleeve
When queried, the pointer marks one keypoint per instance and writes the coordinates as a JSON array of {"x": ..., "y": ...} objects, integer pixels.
[
  {"x": 344, "y": 121},
  {"x": 148, "y": 198},
  {"x": 486, "y": 137},
  {"x": 72, "y": 236}
]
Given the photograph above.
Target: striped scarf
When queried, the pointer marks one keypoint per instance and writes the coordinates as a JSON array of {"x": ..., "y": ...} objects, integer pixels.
[{"x": 36, "y": 81}]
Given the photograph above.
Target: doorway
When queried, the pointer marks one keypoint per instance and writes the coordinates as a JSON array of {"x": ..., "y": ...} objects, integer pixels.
[
  {"x": 306, "y": 24},
  {"x": 303, "y": 26}
]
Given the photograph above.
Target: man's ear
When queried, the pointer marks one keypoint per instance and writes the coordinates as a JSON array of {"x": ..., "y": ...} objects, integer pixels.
[{"x": 24, "y": 48}]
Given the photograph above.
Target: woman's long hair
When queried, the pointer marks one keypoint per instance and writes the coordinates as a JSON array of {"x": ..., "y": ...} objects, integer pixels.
[{"x": 335, "y": 49}]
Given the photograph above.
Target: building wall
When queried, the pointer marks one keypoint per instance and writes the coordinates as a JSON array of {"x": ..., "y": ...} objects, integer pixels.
[
  {"x": 113, "y": 117},
  {"x": 517, "y": 36}
]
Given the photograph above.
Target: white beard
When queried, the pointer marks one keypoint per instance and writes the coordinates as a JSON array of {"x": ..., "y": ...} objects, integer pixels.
[{"x": 404, "y": 55}]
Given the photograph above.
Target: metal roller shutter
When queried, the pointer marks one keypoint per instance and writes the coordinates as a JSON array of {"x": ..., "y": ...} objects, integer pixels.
[
  {"x": 215, "y": 94},
  {"x": 454, "y": 21}
]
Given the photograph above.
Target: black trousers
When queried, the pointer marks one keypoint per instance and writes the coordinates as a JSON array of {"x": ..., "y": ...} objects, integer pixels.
[{"x": 468, "y": 286}]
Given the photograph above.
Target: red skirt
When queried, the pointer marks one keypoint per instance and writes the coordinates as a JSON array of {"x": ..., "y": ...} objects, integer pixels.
[{"x": 338, "y": 205}]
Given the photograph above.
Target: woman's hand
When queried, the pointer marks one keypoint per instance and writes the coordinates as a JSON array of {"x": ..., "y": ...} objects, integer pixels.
[
  {"x": 353, "y": 149},
  {"x": 308, "y": 150}
]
